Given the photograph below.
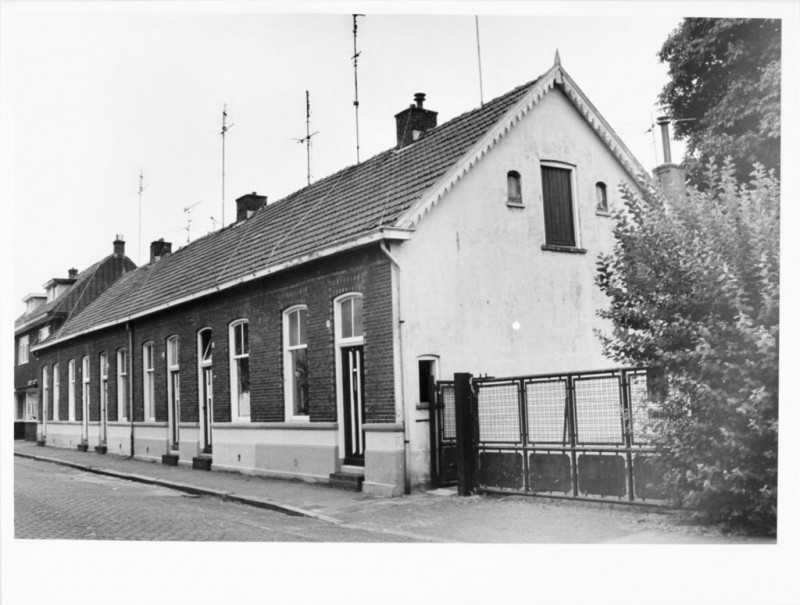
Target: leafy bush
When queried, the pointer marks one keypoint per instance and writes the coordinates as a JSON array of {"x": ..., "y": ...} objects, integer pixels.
[{"x": 694, "y": 293}]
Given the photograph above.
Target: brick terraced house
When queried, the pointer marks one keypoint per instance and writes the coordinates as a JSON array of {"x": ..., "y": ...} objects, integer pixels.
[
  {"x": 44, "y": 315},
  {"x": 299, "y": 340}
]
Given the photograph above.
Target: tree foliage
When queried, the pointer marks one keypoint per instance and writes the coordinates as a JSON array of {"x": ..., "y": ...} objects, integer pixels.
[
  {"x": 693, "y": 285},
  {"x": 724, "y": 92}
]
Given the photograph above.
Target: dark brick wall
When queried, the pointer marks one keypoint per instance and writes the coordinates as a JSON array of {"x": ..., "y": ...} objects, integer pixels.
[
  {"x": 27, "y": 371},
  {"x": 262, "y": 303}
]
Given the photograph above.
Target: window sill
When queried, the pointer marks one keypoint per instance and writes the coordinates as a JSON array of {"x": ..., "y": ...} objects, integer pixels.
[
  {"x": 599, "y": 212},
  {"x": 512, "y": 204},
  {"x": 570, "y": 249},
  {"x": 423, "y": 405}
]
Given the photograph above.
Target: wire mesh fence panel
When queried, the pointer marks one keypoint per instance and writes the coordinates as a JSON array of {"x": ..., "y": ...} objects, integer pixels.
[
  {"x": 448, "y": 412},
  {"x": 498, "y": 412},
  {"x": 598, "y": 410},
  {"x": 643, "y": 411},
  {"x": 547, "y": 411}
]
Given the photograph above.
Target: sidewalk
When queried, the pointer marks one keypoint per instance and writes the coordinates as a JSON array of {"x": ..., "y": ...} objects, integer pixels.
[{"x": 436, "y": 516}]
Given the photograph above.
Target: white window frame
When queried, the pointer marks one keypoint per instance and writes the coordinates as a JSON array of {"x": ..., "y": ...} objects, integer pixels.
[
  {"x": 173, "y": 371},
  {"x": 86, "y": 393},
  {"x": 234, "y": 361},
  {"x": 56, "y": 392},
  {"x": 339, "y": 342},
  {"x": 44, "y": 333},
  {"x": 149, "y": 381},
  {"x": 122, "y": 384},
  {"x": 71, "y": 390},
  {"x": 576, "y": 218},
  {"x": 23, "y": 350},
  {"x": 32, "y": 405},
  {"x": 102, "y": 362},
  {"x": 45, "y": 391},
  {"x": 288, "y": 365},
  {"x": 202, "y": 364},
  {"x": 337, "y": 319}
]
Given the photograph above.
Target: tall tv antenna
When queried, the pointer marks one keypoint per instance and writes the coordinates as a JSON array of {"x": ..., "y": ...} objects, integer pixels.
[
  {"x": 225, "y": 129},
  {"x": 141, "y": 188},
  {"x": 307, "y": 139},
  {"x": 188, "y": 228},
  {"x": 480, "y": 69},
  {"x": 355, "y": 77}
]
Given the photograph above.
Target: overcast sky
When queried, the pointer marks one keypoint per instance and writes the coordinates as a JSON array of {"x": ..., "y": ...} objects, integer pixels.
[{"x": 96, "y": 95}]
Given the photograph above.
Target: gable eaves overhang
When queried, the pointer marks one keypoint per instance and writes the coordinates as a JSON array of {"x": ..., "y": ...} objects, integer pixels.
[
  {"x": 377, "y": 235},
  {"x": 32, "y": 323},
  {"x": 554, "y": 77}
]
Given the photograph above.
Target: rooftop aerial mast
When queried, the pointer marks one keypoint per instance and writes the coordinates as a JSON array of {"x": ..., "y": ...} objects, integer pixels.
[
  {"x": 355, "y": 77},
  {"x": 223, "y": 132},
  {"x": 141, "y": 189},
  {"x": 307, "y": 139}
]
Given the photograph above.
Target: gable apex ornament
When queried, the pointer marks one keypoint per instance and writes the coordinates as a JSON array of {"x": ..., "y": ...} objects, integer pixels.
[{"x": 557, "y": 59}]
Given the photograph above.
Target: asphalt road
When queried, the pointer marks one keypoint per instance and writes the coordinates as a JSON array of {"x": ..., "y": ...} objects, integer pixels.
[{"x": 56, "y": 502}]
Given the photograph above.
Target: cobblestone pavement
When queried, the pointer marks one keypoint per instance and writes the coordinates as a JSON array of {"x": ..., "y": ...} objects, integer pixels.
[
  {"x": 57, "y": 502},
  {"x": 419, "y": 517}
]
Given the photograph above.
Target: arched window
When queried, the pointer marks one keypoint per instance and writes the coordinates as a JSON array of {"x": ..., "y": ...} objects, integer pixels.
[
  {"x": 205, "y": 350},
  {"x": 350, "y": 318},
  {"x": 602, "y": 196},
  {"x": 85, "y": 393},
  {"x": 149, "y": 381},
  {"x": 45, "y": 391},
  {"x": 514, "y": 186},
  {"x": 71, "y": 390},
  {"x": 295, "y": 346},
  {"x": 122, "y": 384},
  {"x": 103, "y": 385},
  {"x": 56, "y": 392},
  {"x": 173, "y": 391},
  {"x": 240, "y": 370}
]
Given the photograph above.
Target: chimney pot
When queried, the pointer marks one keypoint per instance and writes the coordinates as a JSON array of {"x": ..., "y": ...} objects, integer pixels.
[
  {"x": 119, "y": 246},
  {"x": 248, "y": 204},
  {"x": 159, "y": 249},
  {"x": 73, "y": 273},
  {"x": 415, "y": 120}
]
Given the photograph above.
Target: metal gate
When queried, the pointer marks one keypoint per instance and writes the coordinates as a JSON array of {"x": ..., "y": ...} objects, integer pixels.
[
  {"x": 580, "y": 435},
  {"x": 444, "y": 457}
]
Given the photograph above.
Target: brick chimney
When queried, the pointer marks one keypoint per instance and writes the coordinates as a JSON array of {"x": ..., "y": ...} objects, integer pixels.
[
  {"x": 415, "y": 120},
  {"x": 671, "y": 176},
  {"x": 73, "y": 274},
  {"x": 248, "y": 204},
  {"x": 119, "y": 246},
  {"x": 159, "y": 249}
]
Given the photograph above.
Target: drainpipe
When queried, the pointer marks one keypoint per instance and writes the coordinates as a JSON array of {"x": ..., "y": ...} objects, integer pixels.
[
  {"x": 406, "y": 452},
  {"x": 130, "y": 379}
]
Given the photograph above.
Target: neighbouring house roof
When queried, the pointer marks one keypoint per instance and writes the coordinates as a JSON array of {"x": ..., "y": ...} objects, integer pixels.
[
  {"x": 379, "y": 199},
  {"x": 62, "y": 303},
  {"x": 87, "y": 285}
]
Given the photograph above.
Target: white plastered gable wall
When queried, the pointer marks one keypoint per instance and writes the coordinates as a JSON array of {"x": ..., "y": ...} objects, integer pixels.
[{"x": 476, "y": 288}]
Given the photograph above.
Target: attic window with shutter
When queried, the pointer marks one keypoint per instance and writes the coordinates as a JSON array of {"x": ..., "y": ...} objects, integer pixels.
[
  {"x": 514, "y": 186},
  {"x": 559, "y": 211}
]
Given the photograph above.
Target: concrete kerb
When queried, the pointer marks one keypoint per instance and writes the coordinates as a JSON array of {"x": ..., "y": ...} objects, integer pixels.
[{"x": 287, "y": 509}]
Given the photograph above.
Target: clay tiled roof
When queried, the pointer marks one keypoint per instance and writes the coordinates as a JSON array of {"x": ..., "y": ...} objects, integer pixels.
[
  {"x": 64, "y": 302},
  {"x": 356, "y": 201}
]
